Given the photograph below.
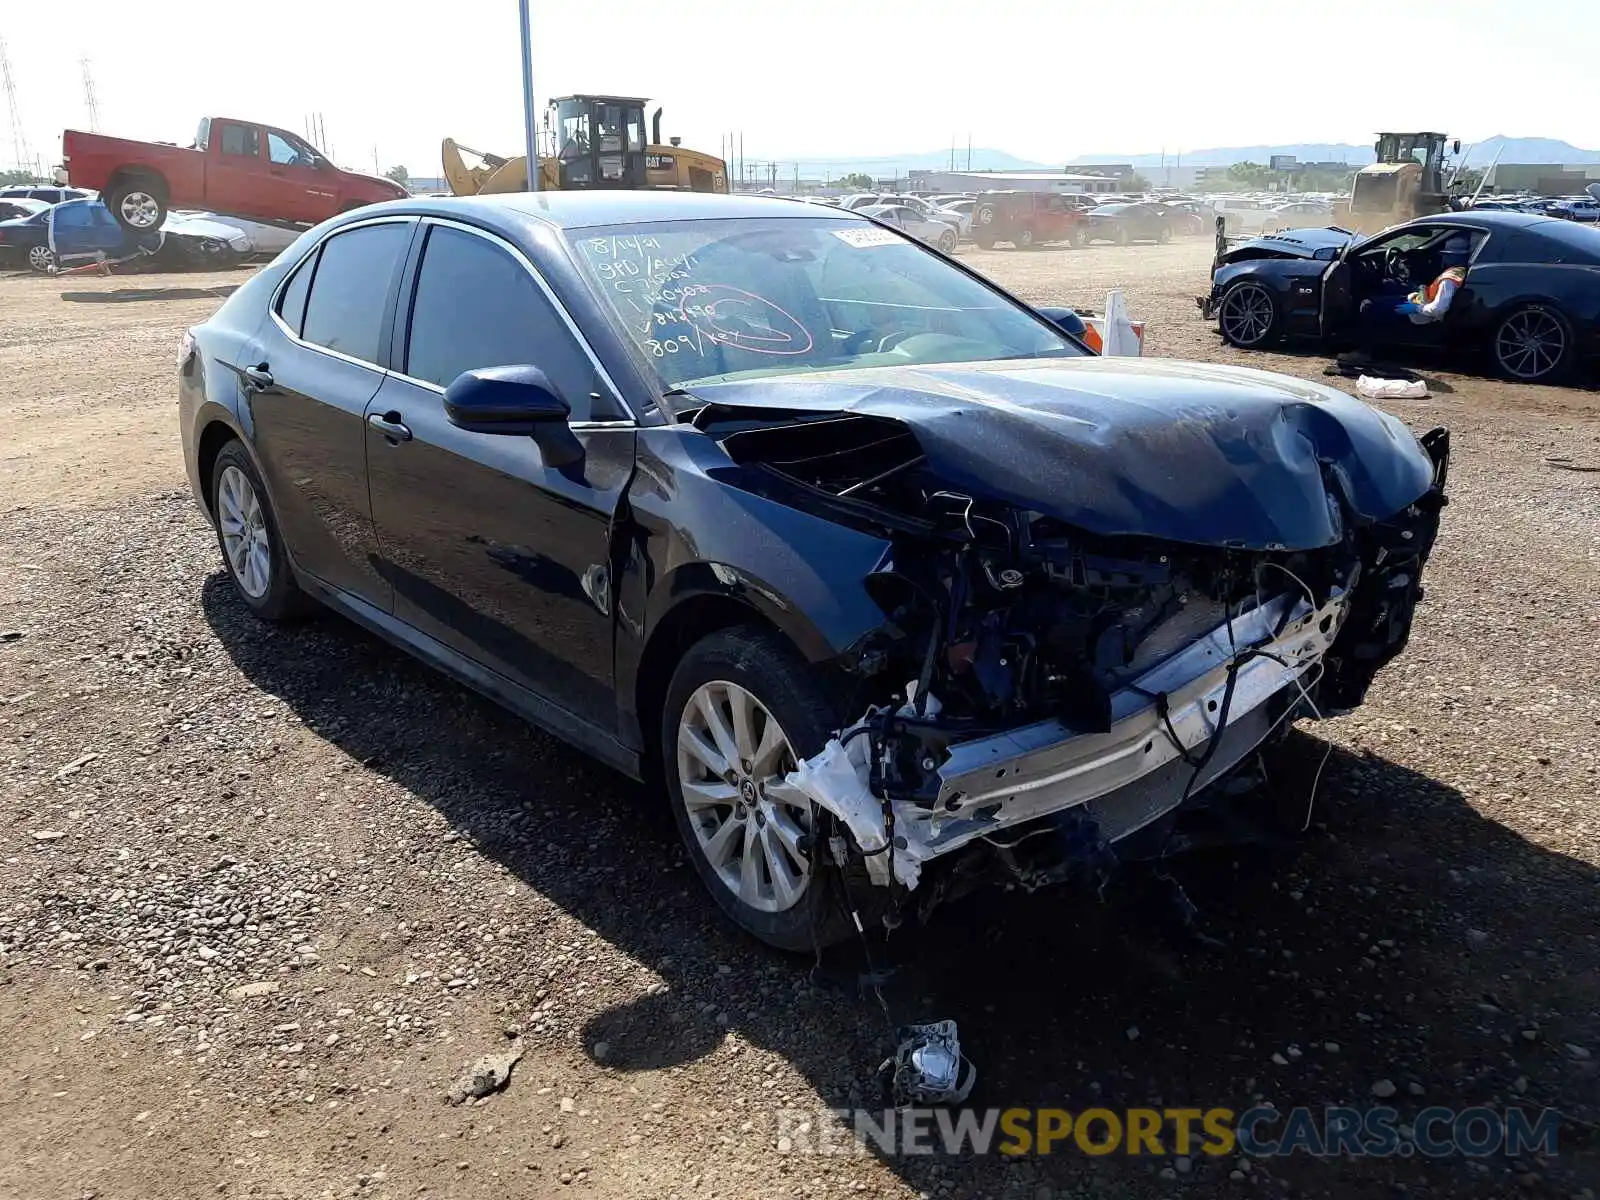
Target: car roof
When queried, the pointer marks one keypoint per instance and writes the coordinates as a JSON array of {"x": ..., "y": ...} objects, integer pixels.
[
  {"x": 578, "y": 210},
  {"x": 1488, "y": 219}
]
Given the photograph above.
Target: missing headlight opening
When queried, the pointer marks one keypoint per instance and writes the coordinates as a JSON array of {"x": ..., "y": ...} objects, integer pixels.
[{"x": 1042, "y": 702}]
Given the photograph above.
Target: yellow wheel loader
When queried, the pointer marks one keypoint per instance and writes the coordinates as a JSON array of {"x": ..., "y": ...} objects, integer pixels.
[
  {"x": 599, "y": 143},
  {"x": 1407, "y": 181}
]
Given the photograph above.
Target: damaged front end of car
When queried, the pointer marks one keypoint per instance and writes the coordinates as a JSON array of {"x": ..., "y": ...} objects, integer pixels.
[{"x": 1052, "y": 686}]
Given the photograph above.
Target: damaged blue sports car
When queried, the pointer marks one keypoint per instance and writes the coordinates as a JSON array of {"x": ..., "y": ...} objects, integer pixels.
[{"x": 881, "y": 578}]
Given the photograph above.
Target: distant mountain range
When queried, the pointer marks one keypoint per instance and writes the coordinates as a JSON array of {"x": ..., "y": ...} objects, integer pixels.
[
  {"x": 1517, "y": 150},
  {"x": 982, "y": 159}
]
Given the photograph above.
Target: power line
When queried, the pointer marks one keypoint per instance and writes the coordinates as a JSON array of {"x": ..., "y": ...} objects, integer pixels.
[
  {"x": 19, "y": 138},
  {"x": 89, "y": 99}
]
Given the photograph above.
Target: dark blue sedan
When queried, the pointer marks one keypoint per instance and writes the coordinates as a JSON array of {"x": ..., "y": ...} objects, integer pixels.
[{"x": 878, "y": 575}]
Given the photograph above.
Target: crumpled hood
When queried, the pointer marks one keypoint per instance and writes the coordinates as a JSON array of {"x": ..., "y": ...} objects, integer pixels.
[
  {"x": 1189, "y": 452},
  {"x": 1295, "y": 243}
]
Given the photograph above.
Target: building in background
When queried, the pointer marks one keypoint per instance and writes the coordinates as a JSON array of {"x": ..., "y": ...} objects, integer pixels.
[
  {"x": 1544, "y": 179},
  {"x": 1021, "y": 181}
]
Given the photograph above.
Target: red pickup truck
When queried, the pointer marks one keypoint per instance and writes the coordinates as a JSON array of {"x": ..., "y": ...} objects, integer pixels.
[{"x": 240, "y": 168}]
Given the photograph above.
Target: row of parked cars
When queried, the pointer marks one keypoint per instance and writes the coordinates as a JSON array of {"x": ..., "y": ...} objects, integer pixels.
[
  {"x": 1025, "y": 219},
  {"x": 49, "y": 229},
  {"x": 1585, "y": 209}
]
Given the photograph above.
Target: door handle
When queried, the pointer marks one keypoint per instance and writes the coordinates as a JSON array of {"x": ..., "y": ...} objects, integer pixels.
[
  {"x": 391, "y": 426},
  {"x": 257, "y": 377}
]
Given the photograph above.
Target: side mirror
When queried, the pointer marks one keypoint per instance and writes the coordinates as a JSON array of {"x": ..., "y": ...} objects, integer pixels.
[
  {"x": 1064, "y": 319},
  {"x": 519, "y": 401}
]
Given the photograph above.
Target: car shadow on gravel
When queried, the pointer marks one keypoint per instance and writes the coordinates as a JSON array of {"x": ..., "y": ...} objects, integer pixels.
[{"x": 1407, "y": 939}]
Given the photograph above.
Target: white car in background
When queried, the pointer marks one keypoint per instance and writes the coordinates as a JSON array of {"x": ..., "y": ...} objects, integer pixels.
[
  {"x": 1244, "y": 218},
  {"x": 961, "y": 210},
  {"x": 932, "y": 230},
  {"x": 1298, "y": 214}
]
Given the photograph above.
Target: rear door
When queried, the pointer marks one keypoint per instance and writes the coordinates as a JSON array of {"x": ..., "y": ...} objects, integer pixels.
[
  {"x": 308, "y": 377},
  {"x": 503, "y": 559},
  {"x": 235, "y": 170}
]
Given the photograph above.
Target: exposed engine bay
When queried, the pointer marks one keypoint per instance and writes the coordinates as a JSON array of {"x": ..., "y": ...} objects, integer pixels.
[{"x": 1038, "y": 694}]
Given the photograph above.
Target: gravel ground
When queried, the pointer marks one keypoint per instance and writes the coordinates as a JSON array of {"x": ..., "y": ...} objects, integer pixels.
[{"x": 266, "y": 892}]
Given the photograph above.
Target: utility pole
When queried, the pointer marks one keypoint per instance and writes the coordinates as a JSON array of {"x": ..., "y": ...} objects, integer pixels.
[
  {"x": 89, "y": 99},
  {"x": 19, "y": 135},
  {"x": 530, "y": 120}
]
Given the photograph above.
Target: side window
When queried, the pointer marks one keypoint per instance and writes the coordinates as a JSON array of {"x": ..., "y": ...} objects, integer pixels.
[
  {"x": 345, "y": 309},
  {"x": 476, "y": 306},
  {"x": 284, "y": 153},
  {"x": 241, "y": 140},
  {"x": 292, "y": 305}
]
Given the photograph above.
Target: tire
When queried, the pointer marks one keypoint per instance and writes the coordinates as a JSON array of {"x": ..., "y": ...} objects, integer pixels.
[
  {"x": 249, "y": 539},
  {"x": 757, "y": 670},
  {"x": 1121, "y": 236},
  {"x": 1249, "y": 316},
  {"x": 1075, "y": 237},
  {"x": 139, "y": 205},
  {"x": 1533, "y": 344},
  {"x": 42, "y": 259},
  {"x": 1164, "y": 236},
  {"x": 984, "y": 239},
  {"x": 947, "y": 241},
  {"x": 1023, "y": 239}
]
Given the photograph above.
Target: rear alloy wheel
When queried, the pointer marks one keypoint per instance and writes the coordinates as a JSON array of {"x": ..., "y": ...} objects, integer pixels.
[
  {"x": 251, "y": 546},
  {"x": 741, "y": 710},
  {"x": 1248, "y": 316},
  {"x": 136, "y": 206},
  {"x": 42, "y": 259},
  {"x": 947, "y": 241},
  {"x": 1533, "y": 345}
]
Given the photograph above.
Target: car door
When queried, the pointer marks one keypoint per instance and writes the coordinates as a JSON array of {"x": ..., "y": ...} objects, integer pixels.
[
  {"x": 304, "y": 189},
  {"x": 307, "y": 377},
  {"x": 505, "y": 560},
  {"x": 235, "y": 170}
]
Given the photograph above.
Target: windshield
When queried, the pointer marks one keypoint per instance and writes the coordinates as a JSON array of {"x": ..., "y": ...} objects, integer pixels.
[
  {"x": 1108, "y": 210},
  {"x": 709, "y": 300}
]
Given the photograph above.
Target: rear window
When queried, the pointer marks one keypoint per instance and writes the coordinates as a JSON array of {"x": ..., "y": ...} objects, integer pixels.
[
  {"x": 1572, "y": 243},
  {"x": 351, "y": 287}
]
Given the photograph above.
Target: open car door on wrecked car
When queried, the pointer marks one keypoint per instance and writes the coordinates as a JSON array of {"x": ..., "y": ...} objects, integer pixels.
[{"x": 1391, "y": 264}]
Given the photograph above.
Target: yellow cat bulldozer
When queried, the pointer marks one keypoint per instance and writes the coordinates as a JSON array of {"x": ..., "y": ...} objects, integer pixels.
[
  {"x": 1407, "y": 180},
  {"x": 599, "y": 143}
]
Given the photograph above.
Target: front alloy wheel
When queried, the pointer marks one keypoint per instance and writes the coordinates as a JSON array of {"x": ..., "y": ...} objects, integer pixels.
[
  {"x": 742, "y": 708},
  {"x": 1247, "y": 315},
  {"x": 750, "y": 825},
  {"x": 1531, "y": 346},
  {"x": 41, "y": 259}
]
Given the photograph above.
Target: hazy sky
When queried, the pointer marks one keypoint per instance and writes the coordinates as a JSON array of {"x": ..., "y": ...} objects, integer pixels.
[{"x": 1043, "y": 80}]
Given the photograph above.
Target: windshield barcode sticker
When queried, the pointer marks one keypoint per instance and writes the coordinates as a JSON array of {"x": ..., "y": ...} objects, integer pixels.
[{"x": 866, "y": 237}]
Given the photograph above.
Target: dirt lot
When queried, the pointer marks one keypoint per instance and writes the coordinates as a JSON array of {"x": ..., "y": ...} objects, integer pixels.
[{"x": 265, "y": 892}]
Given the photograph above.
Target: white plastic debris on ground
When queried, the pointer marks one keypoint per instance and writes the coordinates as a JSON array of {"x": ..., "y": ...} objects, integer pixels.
[
  {"x": 1374, "y": 388},
  {"x": 839, "y": 780}
]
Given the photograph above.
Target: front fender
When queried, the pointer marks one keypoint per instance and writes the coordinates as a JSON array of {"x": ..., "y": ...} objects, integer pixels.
[{"x": 695, "y": 536}]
